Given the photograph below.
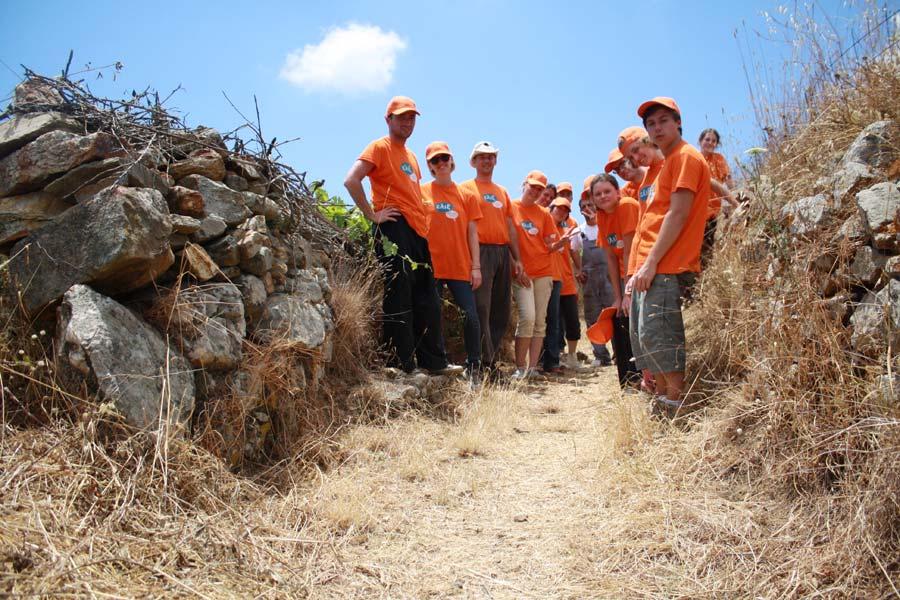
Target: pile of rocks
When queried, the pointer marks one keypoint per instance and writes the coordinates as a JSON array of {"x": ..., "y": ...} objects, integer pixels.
[
  {"x": 857, "y": 260},
  {"x": 156, "y": 265}
]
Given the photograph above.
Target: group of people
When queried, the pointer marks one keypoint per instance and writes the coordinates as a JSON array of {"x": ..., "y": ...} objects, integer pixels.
[{"x": 635, "y": 257}]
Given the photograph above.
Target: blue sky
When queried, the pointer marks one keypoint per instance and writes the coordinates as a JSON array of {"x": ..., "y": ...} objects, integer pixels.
[{"x": 550, "y": 83}]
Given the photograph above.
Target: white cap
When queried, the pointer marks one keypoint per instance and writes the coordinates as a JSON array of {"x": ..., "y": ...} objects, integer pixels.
[{"x": 483, "y": 148}]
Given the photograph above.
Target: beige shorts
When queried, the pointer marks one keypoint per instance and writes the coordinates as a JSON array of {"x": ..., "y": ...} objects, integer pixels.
[{"x": 531, "y": 304}]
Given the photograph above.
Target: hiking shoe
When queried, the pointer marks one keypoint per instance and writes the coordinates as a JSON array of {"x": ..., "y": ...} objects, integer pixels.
[
  {"x": 570, "y": 361},
  {"x": 450, "y": 369}
]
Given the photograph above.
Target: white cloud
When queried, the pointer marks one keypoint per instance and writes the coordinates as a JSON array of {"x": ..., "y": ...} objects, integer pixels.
[{"x": 355, "y": 58}]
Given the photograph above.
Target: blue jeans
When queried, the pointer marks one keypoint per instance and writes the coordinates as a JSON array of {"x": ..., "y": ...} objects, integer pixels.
[
  {"x": 464, "y": 298},
  {"x": 550, "y": 353}
]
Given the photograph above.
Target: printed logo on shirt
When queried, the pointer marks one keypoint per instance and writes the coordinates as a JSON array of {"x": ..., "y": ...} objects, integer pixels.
[
  {"x": 613, "y": 240},
  {"x": 447, "y": 209},
  {"x": 492, "y": 200},
  {"x": 409, "y": 171},
  {"x": 645, "y": 193},
  {"x": 529, "y": 227}
]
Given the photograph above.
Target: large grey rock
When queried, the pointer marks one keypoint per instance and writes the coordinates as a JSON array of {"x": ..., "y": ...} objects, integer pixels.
[
  {"x": 25, "y": 128},
  {"x": 30, "y": 167},
  {"x": 876, "y": 321},
  {"x": 292, "y": 319},
  {"x": 260, "y": 263},
  {"x": 807, "y": 215},
  {"x": 218, "y": 198},
  {"x": 849, "y": 179},
  {"x": 184, "y": 201},
  {"x": 236, "y": 182},
  {"x": 184, "y": 224},
  {"x": 127, "y": 360},
  {"x": 117, "y": 241},
  {"x": 253, "y": 292},
  {"x": 872, "y": 146},
  {"x": 22, "y": 215},
  {"x": 879, "y": 207},
  {"x": 36, "y": 94},
  {"x": 210, "y": 229},
  {"x": 205, "y": 162},
  {"x": 867, "y": 266},
  {"x": 83, "y": 175},
  {"x": 224, "y": 251},
  {"x": 208, "y": 321}
]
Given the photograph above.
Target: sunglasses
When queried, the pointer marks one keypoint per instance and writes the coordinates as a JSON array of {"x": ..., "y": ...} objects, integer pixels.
[{"x": 439, "y": 159}]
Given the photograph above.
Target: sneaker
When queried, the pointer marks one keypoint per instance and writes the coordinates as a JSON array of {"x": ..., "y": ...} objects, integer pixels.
[
  {"x": 450, "y": 369},
  {"x": 519, "y": 374},
  {"x": 570, "y": 361}
]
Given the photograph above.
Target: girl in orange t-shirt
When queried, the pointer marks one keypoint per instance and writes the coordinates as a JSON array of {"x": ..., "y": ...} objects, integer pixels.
[
  {"x": 721, "y": 182},
  {"x": 453, "y": 244}
]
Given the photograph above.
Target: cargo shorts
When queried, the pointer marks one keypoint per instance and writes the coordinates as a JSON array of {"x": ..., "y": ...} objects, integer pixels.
[{"x": 656, "y": 325}]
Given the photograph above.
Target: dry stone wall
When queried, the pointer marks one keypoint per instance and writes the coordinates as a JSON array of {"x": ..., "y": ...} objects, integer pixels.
[{"x": 158, "y": 263}]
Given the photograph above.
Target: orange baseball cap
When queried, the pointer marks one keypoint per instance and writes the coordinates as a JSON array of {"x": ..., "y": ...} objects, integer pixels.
[
  {"x": 630, "y": 135},
  {"x": 536, "y": 178},
  {"x": 662, "y": 101},
  {"x": 564, "y": 186},
  {"x": 399, "y": 105},
  {"x": 561, "y": 201},
  {"x": 587, "y": 185},
  {"x": 601, "y": 331},
  {"x": 435, "y": 148},
  {"x": 614, "y": 160}
]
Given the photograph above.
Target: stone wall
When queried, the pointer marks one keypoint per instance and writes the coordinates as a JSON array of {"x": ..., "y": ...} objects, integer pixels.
[{"x": 158, "y": 263}]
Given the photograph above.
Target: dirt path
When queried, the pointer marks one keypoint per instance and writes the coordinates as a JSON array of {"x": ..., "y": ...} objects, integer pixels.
[{"x": 487, "y": 507}]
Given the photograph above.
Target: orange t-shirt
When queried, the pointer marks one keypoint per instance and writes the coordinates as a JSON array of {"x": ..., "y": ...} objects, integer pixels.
[
  {"x": 685, "y": 169},
  {"x": 644, "y": 192},
  {"x": 450, "y": 208},
  {"x": 612, "y": 228},
  {"x": 395, "y": 181},
  {"x": 564, "y": 262},
  {"x": 495, "y": 209},
  {"x": 630, "y": 190},
  {"x": 718, "y": 170},
  {"x": 534, "y": 223}
]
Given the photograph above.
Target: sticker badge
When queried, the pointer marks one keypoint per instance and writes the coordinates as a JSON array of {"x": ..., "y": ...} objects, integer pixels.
[
  {"x": 612, "y": 240},
  {"x": 447, "y": 209},
  {"x": 644, "y": 193},
  {"x": 492, "y": 200},
  {"x": 529, "y": 227},
  {"x": 407, "y": 168}
]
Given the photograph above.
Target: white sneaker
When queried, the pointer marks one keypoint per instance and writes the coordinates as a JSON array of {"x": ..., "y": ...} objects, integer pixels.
[
  {"x": 596, "y": 363},
  {"x": 519, "y": 374},
  {"x": 571, "y": 361}
]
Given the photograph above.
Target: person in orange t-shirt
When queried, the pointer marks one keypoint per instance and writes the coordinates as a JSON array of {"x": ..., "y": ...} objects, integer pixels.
[
  {"x": 616, "y": 223},
  {"x": 570, "y": 325},
  {"x": 721, "y": 184},
  {"x": 537, "y": 233},
  {"x": 499, "y": 247},
  {"x": 667, "y": 243},
  {"x": 412, "y": 309},
  {"x": 596, "y": 289},
  {"x": 623, "y": 167},
  {"x": 453, "y": 242},
  {"x": 635, "y": 144}
]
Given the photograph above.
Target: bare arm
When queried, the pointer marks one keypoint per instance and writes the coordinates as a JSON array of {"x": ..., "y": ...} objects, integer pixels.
[
  {"x": 518, "y": 269},
  {"x": 353, "y": 183},
  {"x": 672, "y": 225},
  {"x": 721, "y": 190},
  {"x": 475, "y": 251}
]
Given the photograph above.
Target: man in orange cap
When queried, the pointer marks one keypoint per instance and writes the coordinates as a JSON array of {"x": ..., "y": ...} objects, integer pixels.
[
  {"x": 498, "y": 244},
  {"x": 412, "y": 310},
  {"x": 667, "y": 246}
]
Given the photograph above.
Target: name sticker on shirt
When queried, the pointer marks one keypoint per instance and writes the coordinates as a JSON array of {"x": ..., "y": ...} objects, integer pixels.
[
  {"x": 614, "y": 241},
  {"x": 447, "y": 209},
  {"x": 492, "y": 200},
  {"x": 645, "y": 193},
  {"x": 407, "y": 168},
  {"x": 529, "y": 227}
]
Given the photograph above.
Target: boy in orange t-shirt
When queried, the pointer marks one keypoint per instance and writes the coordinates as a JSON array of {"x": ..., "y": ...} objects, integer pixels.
[
  {"x": 667, "y": 246},
  {"x": 453, "y": 242},
  {"x": 412, "y": 309}
]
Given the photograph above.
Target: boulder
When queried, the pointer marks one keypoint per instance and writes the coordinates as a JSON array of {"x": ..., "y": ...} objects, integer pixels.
[
  {"x": 184, "y": 201},
  {"x": 23, "y": 129},
  {"x": 87, "y": 174},
  {"x": 205, "y": 162},
  {"x": 876, "y": 321},
  {"x": 211, "y": 228},
  {"x": 25, "y": 214},
  {"x": 30, "y": 167},
  {"x": 253, "y": 292},
  {"x": 208, "y": 321},
  {"x": 879, "y": 207},
  {"x": 250, "y": 243},
  {"x": 219, "y": 200},
  {"x": 184, "y": 224},
  {"x": 260, "y": 263},
  {"x": 34, "y": 94},
  {"x": 236, "y": 182},
  {"x": 198, "y": 263},
  {"x": 243, "y": 168},
  {"x": 872, "y": 146},
  {"x": 806, "y": 216},
  {"x": 126, "y": 360},
  {"x": 867, "y": 266},
  {"x": 224, "y": 251},
  {"x": 290, "y": 318},
  {"x": 852, "y": 231},
  {"x": 122, "y": 244}
]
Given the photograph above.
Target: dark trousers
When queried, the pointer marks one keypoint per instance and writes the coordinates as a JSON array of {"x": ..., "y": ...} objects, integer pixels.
[
  {"x": 550, "y": 353},
  {"x": 464, "y": 298},
  {"x": 568, "y": 315},
  {"x": 621, "y": 342},
  {"x": 493, "y": 299},
  {"x": 411, "y": 306}
]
